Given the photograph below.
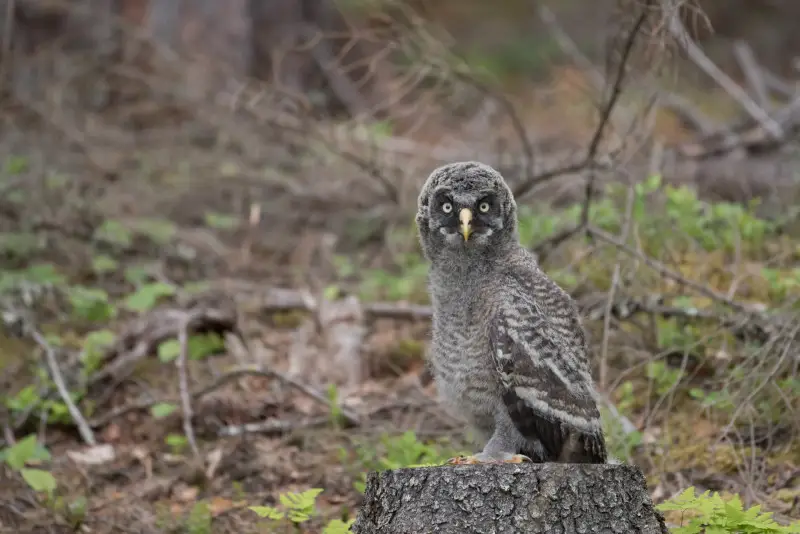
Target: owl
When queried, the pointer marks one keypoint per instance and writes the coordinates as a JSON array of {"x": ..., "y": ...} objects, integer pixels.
[{"x": 508, "y": 349}]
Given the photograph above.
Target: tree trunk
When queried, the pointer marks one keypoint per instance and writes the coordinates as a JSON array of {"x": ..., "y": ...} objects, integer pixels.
[{"x": 509, "y": 499}]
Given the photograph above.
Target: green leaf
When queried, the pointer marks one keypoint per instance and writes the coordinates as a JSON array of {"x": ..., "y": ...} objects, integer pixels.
[
  {"x": 195, "y": 288},
  {"x": 20, "y": 244},
  {"x": 114, "y": 233},
  {"x": 91, "y": 303},
  {"x": 176, "y": 441},
  {"x": 99, "y": 339},
  {"x": 199, "y": 520},
  {"x": 202, "y": 345},
  {"x": 337, "y": 526},
  {"x": 56, "y": 180},
  {"x": 267, "y": 512},
  {"x": 137, "y": 274},
  {"x": 160, "y": 231},
  {"x": 169, "y": 350},
  {"x": 22, "y": 451},
  {"x": 222, "y": 221},
  {"x": 298, "y": 516},
  {"x": 147, "y": 296},
  {"x": 162, "y": 409},
  {"x": 300, "y": 505},
  {"x": 102, "y": 264},
  {"x": 39, "y": 480},
  {"x": 15, "y": 165},
  {"x": 331, "y": 292},
  {"x": 43, "y": 273}
]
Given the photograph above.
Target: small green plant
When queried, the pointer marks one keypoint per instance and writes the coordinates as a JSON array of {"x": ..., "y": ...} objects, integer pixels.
[
  {"x": 297, "y": 508},
  {"x": 664, "y": 378},
  {"x": 162, "y": 410},
  {"x": 337, "y": 417},
  {"x": 199, "y": 519},
  {"x": 90, "y": 304},
  {"x": 221, "y": 221},
  {"x": 176, "y": 442},
  {"x": 147, "y": 296},
  {"x": 114, "y": 233},
  {"x": 29, "y": 451},
  {"x": 712, "y": 514},
  {"x": 621, "y": 444},
  {"x": 395, "y": 452},
  {"x": 94, "y": 346},
  {"x": 199, "y": 346}
]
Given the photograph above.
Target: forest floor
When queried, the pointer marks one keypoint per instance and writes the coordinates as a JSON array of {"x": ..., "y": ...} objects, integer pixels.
[{"x": 294, "y": 387}]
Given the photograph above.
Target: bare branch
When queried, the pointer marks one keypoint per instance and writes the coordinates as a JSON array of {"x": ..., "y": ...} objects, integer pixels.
[
  {"x": 626, "y": 227},
  {"x": 521, "y": 189},
  {"x": 752, "y": 72},
  {"x": 50, "y": 359},
  {"x": 183, "y": 385},
  {"x": 699, "y": 57}
]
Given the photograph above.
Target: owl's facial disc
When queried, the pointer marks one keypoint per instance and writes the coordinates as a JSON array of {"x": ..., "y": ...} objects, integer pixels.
[
  {"x": 465, "y": 216},
  {"x": 466, "y": 219}
]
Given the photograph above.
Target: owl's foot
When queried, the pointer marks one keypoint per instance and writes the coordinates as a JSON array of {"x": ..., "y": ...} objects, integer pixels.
[{"x": 483, "y": 458}]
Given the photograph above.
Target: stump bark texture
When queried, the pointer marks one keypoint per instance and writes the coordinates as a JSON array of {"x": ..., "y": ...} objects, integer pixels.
[{"x": 509, "y": 499}]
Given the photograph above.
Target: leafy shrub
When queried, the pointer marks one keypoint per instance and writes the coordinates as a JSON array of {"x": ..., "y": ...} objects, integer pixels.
[{"x": 713, "y": 515}]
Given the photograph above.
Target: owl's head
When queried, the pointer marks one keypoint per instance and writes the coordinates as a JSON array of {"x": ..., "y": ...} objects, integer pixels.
[{"x": 466, "y": 206}]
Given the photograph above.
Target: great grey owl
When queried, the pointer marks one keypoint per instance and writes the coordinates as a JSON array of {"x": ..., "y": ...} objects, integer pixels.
[{"x": 508, "y": 349}]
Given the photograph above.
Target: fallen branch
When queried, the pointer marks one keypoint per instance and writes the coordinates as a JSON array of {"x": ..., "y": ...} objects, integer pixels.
[
  {"x": 233, "y": 374},
  {"x": 752, "y": 72},
  {"x": 272, "y": 300},
  {"x": 272, "y": 426},
  {"x": 696, "y": 54},
  {"x": 55, "y": 373},
  {"x": 143, "y": 335}
]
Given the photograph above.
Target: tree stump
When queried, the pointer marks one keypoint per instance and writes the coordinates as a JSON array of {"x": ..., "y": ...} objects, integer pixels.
[{"x": 508, "y": 499}]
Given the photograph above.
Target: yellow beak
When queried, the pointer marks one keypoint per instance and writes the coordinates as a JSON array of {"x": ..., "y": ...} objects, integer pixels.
[{"x": 465, "y": 216}]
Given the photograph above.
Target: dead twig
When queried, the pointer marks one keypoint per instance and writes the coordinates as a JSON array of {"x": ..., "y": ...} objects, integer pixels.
[
  {"x": 55, "y": 373},
  {"x": 272, "y": 426},
  {"x": 752, "y": 72},
  {"x": 626, "y": 227},
  {"x": 696, "y": 54},
  {"x": 591, "y": 151},
  {"x": 183, "y": 385}
]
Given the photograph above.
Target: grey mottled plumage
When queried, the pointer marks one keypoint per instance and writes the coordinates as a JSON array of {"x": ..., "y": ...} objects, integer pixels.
[{"x": 508, "y": 351}]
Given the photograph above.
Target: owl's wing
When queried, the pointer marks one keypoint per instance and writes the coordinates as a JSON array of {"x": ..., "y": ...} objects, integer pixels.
[{"x": 548, "y": 388}]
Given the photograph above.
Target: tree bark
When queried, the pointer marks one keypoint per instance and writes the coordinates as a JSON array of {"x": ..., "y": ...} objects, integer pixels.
[{"x": 508, "y": 499}]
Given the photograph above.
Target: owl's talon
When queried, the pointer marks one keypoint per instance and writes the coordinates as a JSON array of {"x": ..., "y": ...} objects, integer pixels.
[
  {"x": 480, "y": 458},
  {"x": 463, "y": 460}
]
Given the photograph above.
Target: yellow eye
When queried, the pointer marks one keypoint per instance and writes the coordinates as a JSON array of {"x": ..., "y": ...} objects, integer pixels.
[
  {"x": 484, "y": 207},
  {"x": 447, "y": 207}
]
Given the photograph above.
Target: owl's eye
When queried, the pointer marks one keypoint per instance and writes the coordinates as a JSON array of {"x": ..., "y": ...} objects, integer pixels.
[
  {"x": 447, "y": 207},
  {"x": 484, "y": 207}
]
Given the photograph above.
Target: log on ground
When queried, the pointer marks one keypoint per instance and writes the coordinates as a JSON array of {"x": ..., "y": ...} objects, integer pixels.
[{"x": 508, "y": 499}]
